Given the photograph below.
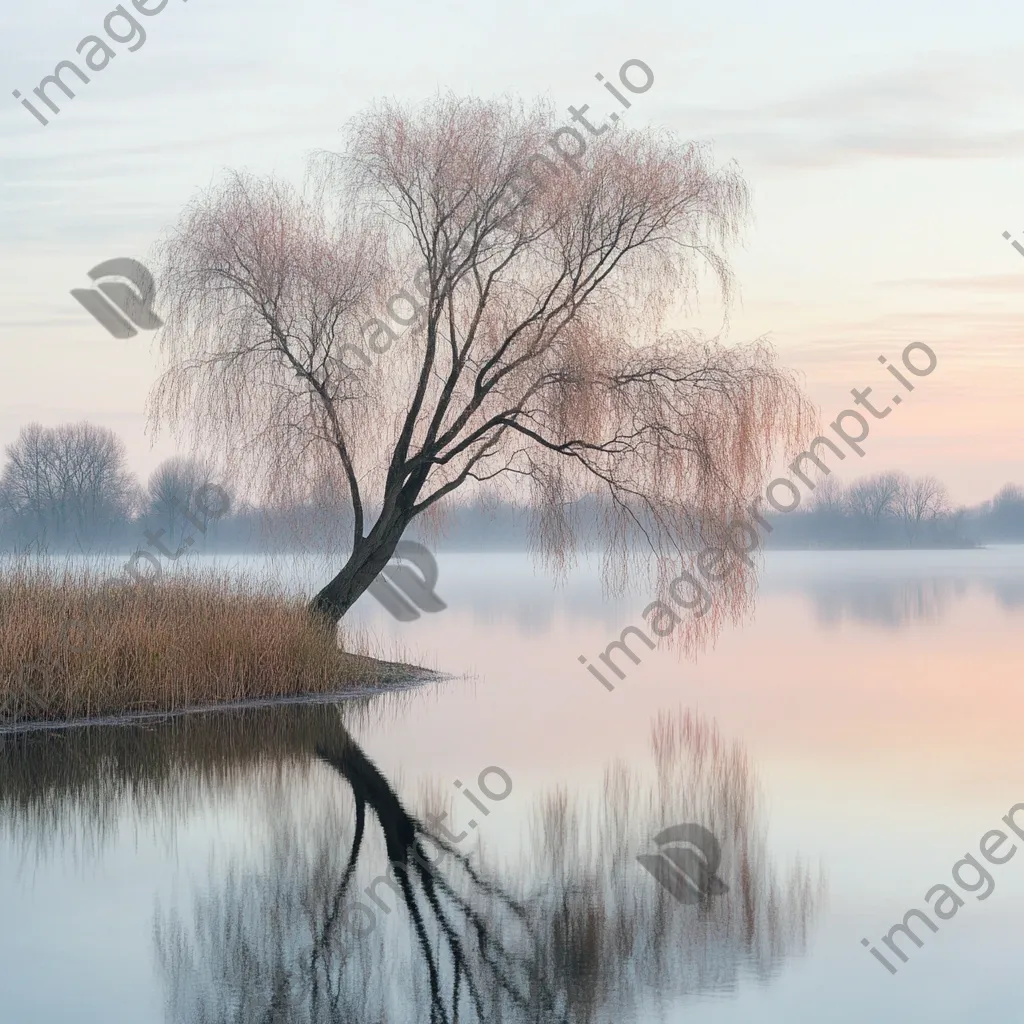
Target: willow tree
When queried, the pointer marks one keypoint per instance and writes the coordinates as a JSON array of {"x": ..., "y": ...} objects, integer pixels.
[{"x": 536, "y": 360}]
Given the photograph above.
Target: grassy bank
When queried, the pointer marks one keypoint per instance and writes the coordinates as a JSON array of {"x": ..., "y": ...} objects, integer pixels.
[{"x": 75, "y": 644}]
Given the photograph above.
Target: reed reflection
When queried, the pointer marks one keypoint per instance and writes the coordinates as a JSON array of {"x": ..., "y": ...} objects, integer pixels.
[
  {"x": 75, "y": 788},
  {"x": 572, "y": 930}
]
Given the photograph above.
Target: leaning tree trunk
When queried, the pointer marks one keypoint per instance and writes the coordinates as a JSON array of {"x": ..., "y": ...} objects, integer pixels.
[{"x": 369, "y": 556}]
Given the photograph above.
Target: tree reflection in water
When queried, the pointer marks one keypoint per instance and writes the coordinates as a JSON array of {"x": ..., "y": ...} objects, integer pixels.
[{"x": 575, "y": 931}]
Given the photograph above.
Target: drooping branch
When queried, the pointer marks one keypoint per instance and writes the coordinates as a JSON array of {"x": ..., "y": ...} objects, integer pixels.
[{"x": 533, "y": 353}]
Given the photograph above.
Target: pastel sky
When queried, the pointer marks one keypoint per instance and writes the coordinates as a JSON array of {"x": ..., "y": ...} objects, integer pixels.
[{"x": 883, "y": 144}]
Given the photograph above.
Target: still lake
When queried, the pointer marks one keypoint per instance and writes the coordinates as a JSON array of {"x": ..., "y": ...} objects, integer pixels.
[{"x": 848, "y": 745}]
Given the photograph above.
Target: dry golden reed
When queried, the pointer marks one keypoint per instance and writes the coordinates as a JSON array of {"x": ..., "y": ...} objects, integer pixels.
[{"x": 76, "y": 644}]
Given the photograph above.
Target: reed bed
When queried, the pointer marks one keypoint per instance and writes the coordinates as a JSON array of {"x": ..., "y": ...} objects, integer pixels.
[{"x": 76, "y": 644}]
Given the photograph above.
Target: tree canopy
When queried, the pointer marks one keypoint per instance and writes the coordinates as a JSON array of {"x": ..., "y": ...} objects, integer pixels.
[{"x": 536, "y": 360}]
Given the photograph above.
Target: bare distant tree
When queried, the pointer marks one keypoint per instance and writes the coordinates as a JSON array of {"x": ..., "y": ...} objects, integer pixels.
[
  {"x": 172, "y": 491},
  {"x": 95, "y": 482},
  {"x": 1009, "y": 494},
  {"x": 829, "y": 496},
  {"x": 137, "y": 498},
  {"x": 1006, "y": 511},
  {"x": 536, "y": 358},
  {"x": 876, "y": 497},
  {"x": 71, "y": 479},
  {"x": 923, "y": 499},
  {"x": 26, "y": 484}
]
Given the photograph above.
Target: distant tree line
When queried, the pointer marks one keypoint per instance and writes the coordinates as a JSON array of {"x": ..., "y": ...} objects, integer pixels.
[
  {"x": 68, "y": 488},
  {"x": 66, "y": 482},
  {"x": 894, "y": 509},
  {"x": 890, "y": 509}
]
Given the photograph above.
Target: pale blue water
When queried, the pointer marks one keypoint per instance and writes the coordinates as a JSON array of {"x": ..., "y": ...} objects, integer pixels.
[{"x": 169, "y": 874}]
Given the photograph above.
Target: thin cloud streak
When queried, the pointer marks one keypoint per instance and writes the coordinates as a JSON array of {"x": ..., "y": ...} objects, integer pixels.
[
  {"x": 938, "y": 111},
  {"x": 1013, "y": 283}
]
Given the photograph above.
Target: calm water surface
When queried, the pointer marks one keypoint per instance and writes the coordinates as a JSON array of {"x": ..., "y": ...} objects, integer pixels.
[{"x": 848, "y": 745}]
